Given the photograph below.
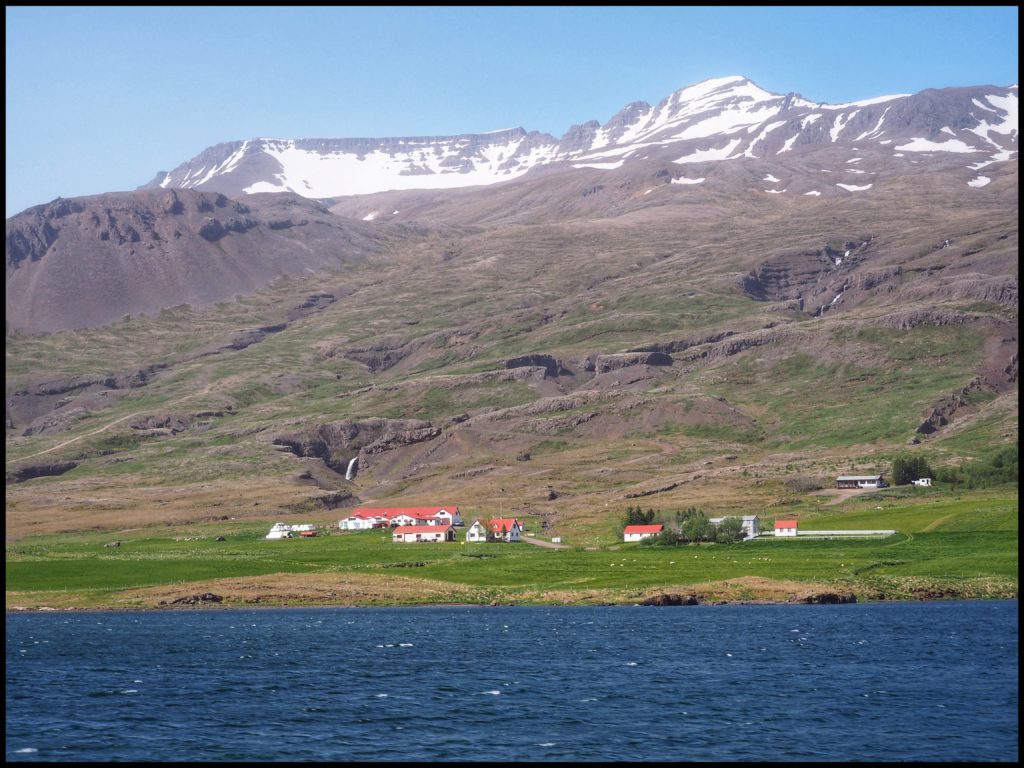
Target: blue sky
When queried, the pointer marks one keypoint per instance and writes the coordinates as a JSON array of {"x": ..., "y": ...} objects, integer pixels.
[{"x": 100, "y": 99}]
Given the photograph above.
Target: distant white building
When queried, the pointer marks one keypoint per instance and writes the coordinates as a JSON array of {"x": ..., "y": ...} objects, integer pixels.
[
  {"x": 506, "y": 528},
  {"x": 785, "y": 528},
  {"x": 476, "y": 532},
  {"x": 924, "y": 482},
  {"x": 860, "y": 481},
  {"x": 363, "y": 519},
  {"x": 410, "y": 534},
  {"x": 410, "y": 515},
  {"x": 751, "y": 524},
  {"x": 280, "y": 531},
  {"x": 637, "y": 532}
]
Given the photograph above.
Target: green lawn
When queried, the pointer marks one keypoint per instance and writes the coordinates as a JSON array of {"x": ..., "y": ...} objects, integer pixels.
[{"x": 950, "y": 540}]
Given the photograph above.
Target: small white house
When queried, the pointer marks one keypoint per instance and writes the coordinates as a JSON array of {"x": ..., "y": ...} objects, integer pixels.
[
  {"x": 637, "y": 532},
  {"x": 924, "y": 482},
  {"x": 506, "y": 528},
  {"x": 476, "y": 532},
  {"x": 751, "y": 524},
  {"x": 785, "y": 527},
  {"x": 411, "y": 534}
]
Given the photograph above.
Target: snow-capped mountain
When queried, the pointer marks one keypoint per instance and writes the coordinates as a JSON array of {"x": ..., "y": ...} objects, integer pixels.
[{"x": 717, "y": 120}]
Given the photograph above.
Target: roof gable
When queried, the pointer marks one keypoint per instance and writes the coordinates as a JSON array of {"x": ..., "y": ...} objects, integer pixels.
[
  {"x": 643, "y": 528},
  {"x": 389, "y": 512},
  {"x": 504, "y": 524}
]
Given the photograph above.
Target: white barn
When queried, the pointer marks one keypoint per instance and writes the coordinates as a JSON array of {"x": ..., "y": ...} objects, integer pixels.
[{"x": 410, "y": 534}]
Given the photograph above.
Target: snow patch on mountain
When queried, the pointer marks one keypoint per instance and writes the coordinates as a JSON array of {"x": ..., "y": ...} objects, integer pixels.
[{"x": 924, "y": 145}]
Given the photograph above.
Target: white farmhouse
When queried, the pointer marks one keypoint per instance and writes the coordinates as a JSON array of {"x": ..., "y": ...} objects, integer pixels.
[
  {"x": 637, "y": 532},
  {"x": 476, "y": 532},
  {"x": 506, "y": 528},
  {"x": 410, "y": 534}
]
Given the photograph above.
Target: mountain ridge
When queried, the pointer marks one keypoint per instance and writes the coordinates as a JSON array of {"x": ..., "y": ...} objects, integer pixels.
[{"x": 715, "y": 120}]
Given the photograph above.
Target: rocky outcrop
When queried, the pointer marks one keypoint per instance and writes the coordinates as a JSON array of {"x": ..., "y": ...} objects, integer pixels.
[
  {"x": 40, "y": 469},
  {"x": 671, "y": 599},
  {"x": 943, "y": 413},
  {"x": 172, "y": 422},
  {"x": 543, "y": 406},
  {"x": 606, "y": 363},
  {"x": 669, "y": 347},
  {"x": 206, "y": 597},
  {"x": 553, "y": 367},
  {"x": 830, "y": 598},
  {"x": 337, "y": 443},
  {"x": 787, "y": 276},
  {"x": 906, "y": 319},
  {"x": 996, "y": 289},
  {"x": 651, "y": 492}
]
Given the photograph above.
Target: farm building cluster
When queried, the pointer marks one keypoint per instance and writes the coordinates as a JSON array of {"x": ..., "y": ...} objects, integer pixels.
[
  {"x": 438, "y": 524},
  {"x": 410, "y": 525}
]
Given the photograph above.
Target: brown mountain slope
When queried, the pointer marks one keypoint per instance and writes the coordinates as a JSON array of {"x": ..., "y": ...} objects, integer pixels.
[{"x": 88, "y": 261}]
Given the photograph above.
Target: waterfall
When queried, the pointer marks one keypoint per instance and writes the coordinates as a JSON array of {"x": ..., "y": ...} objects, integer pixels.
[{"x": 351, "y": 471}]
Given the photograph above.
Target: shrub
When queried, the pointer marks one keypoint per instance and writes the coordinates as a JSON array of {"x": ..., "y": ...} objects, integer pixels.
[
  {"x": 804, "y": 483},
  {"x": 730, "y": 531}
]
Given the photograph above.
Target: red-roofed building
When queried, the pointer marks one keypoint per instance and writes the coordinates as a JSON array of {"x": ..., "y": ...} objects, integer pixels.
[
  {"x": 785, "y": 527},
  {"x": 408, "y": 515},
  {"x": 362, "y": 519},
  {"x": 637, "y": 532},
  {"x": 505, "y": 528},
  {"x": 410, "y": 534}
]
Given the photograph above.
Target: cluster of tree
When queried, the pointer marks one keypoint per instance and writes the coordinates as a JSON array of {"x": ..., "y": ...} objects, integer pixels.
[
  {"x": 636, "y": 516},
  {"x": 691, "y": 526},
  {"x": 999, "y": 468},
  {"x": 907, "y": 469}
]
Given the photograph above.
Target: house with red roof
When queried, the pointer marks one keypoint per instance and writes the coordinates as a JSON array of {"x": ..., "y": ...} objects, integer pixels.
[
  {"x": 363, "y": 519},
  {"x": 637, "y": 532},
  {"x": 785, "y": 527},
  {"x": 412, "y": 534},
  {"x": 403, "y": 516},
  {"x": 505, "y": 529}
]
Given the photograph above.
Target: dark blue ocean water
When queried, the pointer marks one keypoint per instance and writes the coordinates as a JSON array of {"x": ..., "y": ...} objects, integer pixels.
[{"x": 865, "y": 682}]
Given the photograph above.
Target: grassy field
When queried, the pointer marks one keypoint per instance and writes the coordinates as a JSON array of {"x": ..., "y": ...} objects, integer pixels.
[{"x": 947, "y": 546}]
